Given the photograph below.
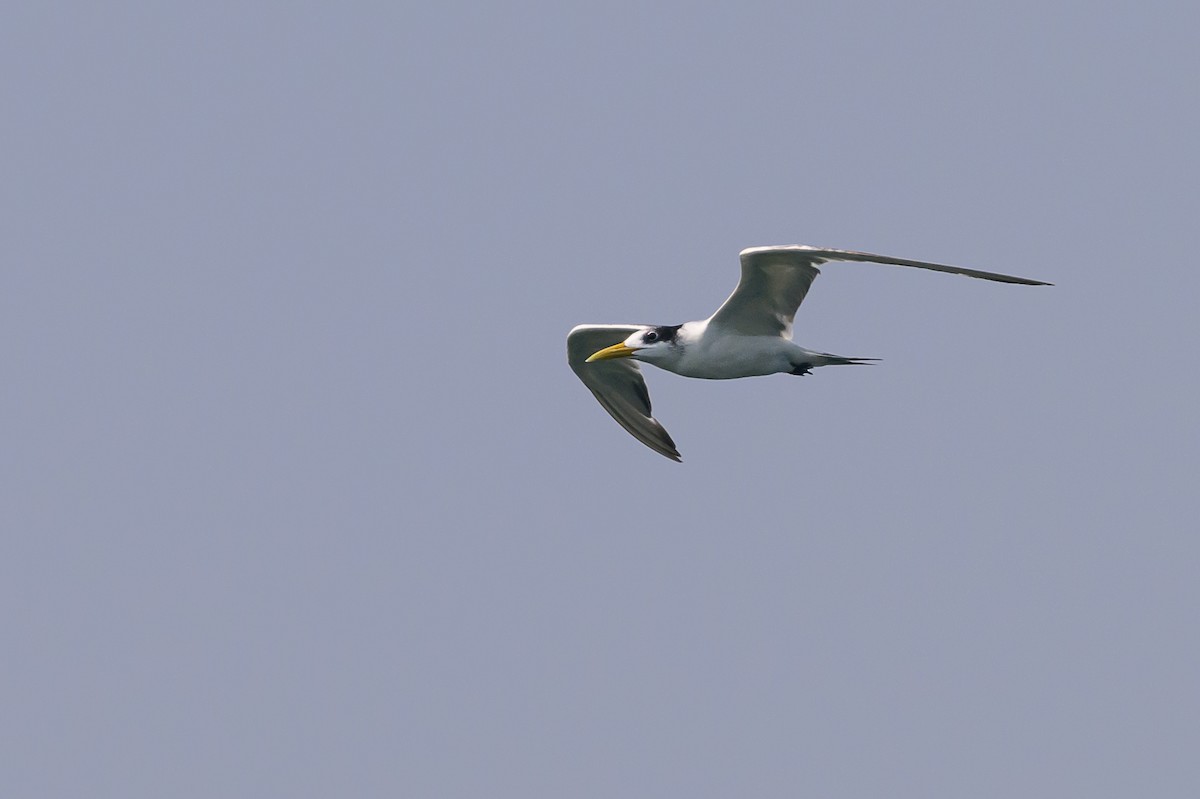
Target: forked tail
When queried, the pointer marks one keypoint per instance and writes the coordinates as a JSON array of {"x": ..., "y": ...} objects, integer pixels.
[
  {"x": 837, "y": 360},
  {"x": 812, "y": 360}
]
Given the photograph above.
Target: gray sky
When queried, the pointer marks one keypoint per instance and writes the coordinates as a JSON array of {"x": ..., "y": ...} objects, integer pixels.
[{"x": 301, "y": 499}]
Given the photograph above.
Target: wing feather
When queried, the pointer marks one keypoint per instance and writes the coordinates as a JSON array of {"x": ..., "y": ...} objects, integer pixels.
[
  {"x": 776, "y": 279},
  {"x": 617, "y": 384}
]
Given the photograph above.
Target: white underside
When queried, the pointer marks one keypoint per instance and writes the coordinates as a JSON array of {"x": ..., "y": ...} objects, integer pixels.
[
  {"x": 730, "y": 357},
  {"x": 719, "y": 355}
]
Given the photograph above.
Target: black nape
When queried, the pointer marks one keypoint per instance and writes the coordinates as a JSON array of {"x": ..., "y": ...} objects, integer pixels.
[{"x": 667, "y": 332}]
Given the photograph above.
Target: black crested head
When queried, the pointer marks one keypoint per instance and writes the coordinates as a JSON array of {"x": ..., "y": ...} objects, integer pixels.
[{"x": 662, "y": 333}]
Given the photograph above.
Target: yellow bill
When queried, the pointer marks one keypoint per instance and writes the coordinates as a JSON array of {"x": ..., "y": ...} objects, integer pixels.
[{"x": 615, "y": 351}]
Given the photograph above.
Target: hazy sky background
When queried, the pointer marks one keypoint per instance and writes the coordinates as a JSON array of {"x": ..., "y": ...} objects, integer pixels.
[{"x": 301, "y": 499}]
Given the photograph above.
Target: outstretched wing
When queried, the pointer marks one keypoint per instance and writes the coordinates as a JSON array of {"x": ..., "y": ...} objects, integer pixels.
[
  {"x": 775, "y": 280},
  {"x": 618, "y": 384}
]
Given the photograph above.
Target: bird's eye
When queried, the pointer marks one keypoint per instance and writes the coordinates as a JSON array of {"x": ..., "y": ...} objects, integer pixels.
[{"x": 650, "y": 337}]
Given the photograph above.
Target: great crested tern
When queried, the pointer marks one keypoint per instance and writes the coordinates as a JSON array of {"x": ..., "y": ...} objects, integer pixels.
[{"x": 749, "y": 335}]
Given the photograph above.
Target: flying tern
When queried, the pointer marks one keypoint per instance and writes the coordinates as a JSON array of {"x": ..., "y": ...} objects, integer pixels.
[{"x": 749, "y": 335}]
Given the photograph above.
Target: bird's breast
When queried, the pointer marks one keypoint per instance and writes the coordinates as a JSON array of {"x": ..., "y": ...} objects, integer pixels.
[{"x": 729, "y": 357}]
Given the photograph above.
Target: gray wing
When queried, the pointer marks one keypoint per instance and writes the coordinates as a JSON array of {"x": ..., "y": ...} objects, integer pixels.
[
  {"x": 775, "y": 280},
  {"x": 618, "y": 384}
]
